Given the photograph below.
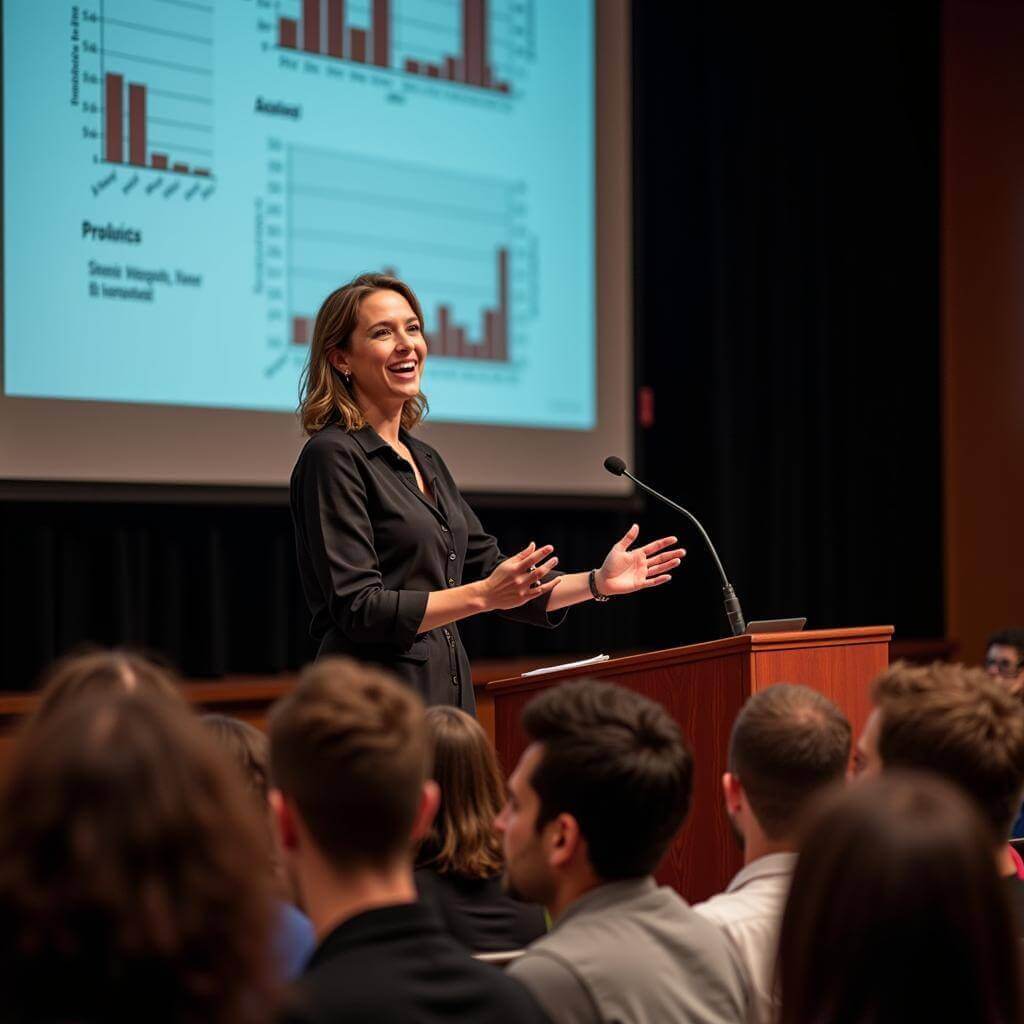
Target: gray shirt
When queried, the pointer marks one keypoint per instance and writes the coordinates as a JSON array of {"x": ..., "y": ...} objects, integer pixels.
[
  {"x": 634, "y": 952},
  {"x": 749, "y": 912}
]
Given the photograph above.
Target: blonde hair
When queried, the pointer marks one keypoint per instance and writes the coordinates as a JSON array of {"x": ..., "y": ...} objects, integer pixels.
[{"x": 324, "y": 395}]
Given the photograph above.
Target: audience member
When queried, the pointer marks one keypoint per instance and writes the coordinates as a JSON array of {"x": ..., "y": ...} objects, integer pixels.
[
  {"x": 102, "y": 673},
  {"x": 593, "y": 804},
  {"x": 349, "y": 757},
  {"x": 895, "y": 913},
  {"x": 1004, "y": 659},
  {"x": 294, "y": 939},
  {"x": 125, "y": 884},
  {"x": 964, "y": 726},
  {"x": 787, "y": 744},
  {"x": 460, "y": 861}
]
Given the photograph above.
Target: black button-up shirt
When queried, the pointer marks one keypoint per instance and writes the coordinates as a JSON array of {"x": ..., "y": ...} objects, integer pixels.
[{"x": 371, "y": 547}]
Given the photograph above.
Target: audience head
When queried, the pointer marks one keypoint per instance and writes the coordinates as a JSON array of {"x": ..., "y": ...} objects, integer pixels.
[
  {"x": 787, "y": 743},
  {"x": 463, "y": 839},
  {"x": 896, "y": 912},
  {"x": 102, "y": 673},
  {"x": 597, "y": 796},
  {"x": 1004, "y": 658},
  {"x": 962, "y": 725},
  {"x": 349, "y": 758},
  {"x": 125, "y": 881},
  {"x": 247, "y": 747}
]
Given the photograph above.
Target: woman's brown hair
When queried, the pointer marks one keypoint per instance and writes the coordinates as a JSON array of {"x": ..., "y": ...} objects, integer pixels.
[
  {"x": 896, "y": 912},
  {"x": 463, "y": 840},
  {"x": 324, "y": 396},
  {"x": 101, "y": 673},
  {"x": 126, "y": 884}
]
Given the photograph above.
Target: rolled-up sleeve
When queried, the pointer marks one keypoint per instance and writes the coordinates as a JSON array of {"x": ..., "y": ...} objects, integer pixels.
[
  {"x": 338, "y": 534},
  {"x": 483, "y": 556}
]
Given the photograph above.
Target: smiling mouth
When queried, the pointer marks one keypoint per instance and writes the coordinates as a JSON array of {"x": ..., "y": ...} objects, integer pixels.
[{"x": 407, "y": 369}]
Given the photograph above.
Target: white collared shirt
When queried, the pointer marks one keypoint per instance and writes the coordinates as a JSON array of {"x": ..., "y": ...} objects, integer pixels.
[{"x": 750, "y": 914}]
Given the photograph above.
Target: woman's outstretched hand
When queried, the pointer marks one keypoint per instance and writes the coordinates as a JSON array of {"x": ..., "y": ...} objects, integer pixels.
[
  {"x": 515, "y": 581},
  {"x": 625, "y": 571}
]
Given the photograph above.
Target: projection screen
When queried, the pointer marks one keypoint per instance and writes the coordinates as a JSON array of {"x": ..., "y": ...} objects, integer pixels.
[{"x": 183, "y": 183}]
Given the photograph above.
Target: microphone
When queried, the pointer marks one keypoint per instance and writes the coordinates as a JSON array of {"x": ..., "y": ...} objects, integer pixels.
[{"x": 734, "y": 613}]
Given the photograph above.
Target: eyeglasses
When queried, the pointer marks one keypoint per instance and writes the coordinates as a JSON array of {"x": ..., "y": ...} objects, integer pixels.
[{"x": 1003, "y": 667}]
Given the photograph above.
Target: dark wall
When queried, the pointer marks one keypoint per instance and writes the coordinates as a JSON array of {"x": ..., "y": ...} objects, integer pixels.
[{"x": 786, "y": 212}]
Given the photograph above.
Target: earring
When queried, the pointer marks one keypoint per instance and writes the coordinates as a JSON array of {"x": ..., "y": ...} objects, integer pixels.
[{"x": 348, "y": 378}]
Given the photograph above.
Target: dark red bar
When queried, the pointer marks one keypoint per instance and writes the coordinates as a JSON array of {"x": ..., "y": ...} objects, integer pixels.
[
  {"x": 288, "y": 33},
  {"x": 114, "y": 129},
  {"x": 382, "y": 33},
  {"x": 460, "y": 343},
  {"x": 357, "y": 45},
  {"x": 500, "y": 351},
  {"x": 179, "y": 168},
  {"x": 300, "y": 330},
  {"x": 490, "y": 344},
  {"x": 441, "y": 347},
  {"x": 201, "y": 172},
  {"x": 474, "y": 40},
  {"x": 412, "y": 66},
  {"x": 137, "y": 124},
  {"x": 159, "y": 161},
  {"x": 432, "y": 71},
  {"x": 335, "y": 27},
  {"x": 451, "y": 69},
  {"x": 311, "y": 26}
]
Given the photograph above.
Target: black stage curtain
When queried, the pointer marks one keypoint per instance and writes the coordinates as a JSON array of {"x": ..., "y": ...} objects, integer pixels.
[{"x": 786, "y": 287}]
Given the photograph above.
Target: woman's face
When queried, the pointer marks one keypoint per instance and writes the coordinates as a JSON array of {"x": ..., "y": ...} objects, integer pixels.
[{"x": 386, "y": 354}]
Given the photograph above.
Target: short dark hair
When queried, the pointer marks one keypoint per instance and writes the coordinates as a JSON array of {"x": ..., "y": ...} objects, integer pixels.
[
  {"x": 1012, "y": 637},
  {"x": 895, "y": 912},
  {"x": 618, "y": 764},
  {"x": 961, "y": 724},
  {"x": 349, "y": 746},
  {"x": 787, "y": 743},
  {"x": 125, "y": 852}
]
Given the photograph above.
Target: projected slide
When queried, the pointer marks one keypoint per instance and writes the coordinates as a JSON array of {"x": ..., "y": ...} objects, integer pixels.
[{"x": 185, "y": 182}]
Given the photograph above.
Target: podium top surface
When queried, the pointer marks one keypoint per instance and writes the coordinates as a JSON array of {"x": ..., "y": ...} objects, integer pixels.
[{"x": 744, "y": 644}]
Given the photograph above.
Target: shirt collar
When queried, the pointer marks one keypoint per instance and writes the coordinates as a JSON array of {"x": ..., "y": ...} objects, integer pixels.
[
  {"x": 399, "y": 920},
  {"x": 608, "y": 895},
  {"x": 772, "y": 865},
  {"x": 369, "y": 439}
]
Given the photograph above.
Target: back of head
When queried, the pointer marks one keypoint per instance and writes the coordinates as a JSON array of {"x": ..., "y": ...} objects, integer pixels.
[
  {"x": 99, "y": 673},
  {"x": 961, "y": 724},
  {"x": 125, "y": 881},
  {"x": 1012, "y": 637},
  {"x": 618, "y": 764},
  {"x": 247, "y": 747},
  {"x": 896, "y": 912},
  {"x": 348, "y": 747},
  {"x": 787, "y": 743},
  {"x": 463, "y": 840}
]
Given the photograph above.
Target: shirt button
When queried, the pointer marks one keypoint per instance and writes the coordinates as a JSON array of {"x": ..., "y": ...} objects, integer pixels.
[
  {"x": 451, "y": 556},
  {"x": 451, "y": 582},
  {"x": 455, "y": 680},
  {"x": 444, "y": 529}
]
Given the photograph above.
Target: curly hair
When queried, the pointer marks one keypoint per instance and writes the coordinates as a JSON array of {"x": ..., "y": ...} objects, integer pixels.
[
  {"x": 126, "y": 888},
  {"x": 463, "y": 839},
  {"x": 324, "y": 397}
]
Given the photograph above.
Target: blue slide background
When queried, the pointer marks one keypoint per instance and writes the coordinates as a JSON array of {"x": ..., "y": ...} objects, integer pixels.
[{"x": 345, "y": 168}]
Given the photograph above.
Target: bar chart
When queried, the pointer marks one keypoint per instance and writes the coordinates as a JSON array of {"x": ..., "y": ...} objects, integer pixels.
[
  {"x": 156, "y": 65},
  {"x": 458, "y": 239},
  {"x": 478, "y": 44}
]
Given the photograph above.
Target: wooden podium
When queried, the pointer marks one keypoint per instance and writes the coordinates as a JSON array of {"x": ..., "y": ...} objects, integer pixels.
[{"x": 703, "y": 687}]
